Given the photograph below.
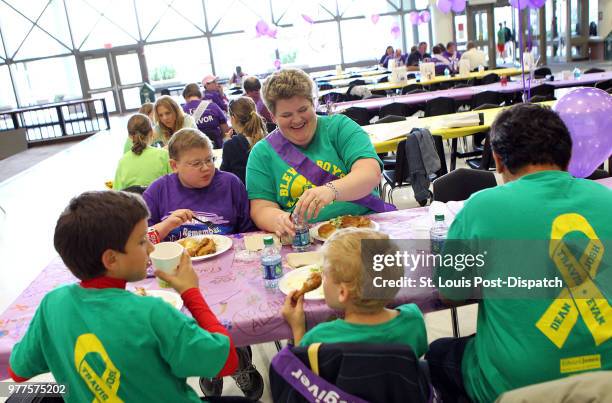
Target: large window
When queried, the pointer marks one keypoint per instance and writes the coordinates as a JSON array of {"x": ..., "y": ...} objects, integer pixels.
[
  {"x": 364, "y": 40},
  {"x": 7, "y": 97},
  {"x": 254, "y": 55},
  {"x": 47, "y": 80},
  {"x": 178, "y": 62}
]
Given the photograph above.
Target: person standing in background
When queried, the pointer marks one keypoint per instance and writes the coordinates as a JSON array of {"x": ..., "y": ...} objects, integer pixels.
[{"x": 501, "y": 41}]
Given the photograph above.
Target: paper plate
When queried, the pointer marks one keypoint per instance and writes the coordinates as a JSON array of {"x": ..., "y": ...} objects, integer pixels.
[
  {"x": 222, "y": 242},
  {"x": 294, "y": 280},
  {"x": 170, "y": 297},
  {"x": 314, "y": 231}
]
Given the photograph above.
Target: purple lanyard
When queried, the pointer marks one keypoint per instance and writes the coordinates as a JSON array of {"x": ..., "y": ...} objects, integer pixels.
[
  {"x": 302, "y": 379},
  {"x": 314, "y": 173}
]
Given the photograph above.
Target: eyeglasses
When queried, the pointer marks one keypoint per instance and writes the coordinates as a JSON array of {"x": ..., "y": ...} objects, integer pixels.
[{"x": 210, "y": 161}]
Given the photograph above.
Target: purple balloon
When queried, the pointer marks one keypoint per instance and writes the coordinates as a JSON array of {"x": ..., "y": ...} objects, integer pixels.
[
  {"x": 536, "y": 3},
  {"x": 395, "y": 30},
  {"x": 444, "y": 5},
  {"x": 587, "y": 113},
  {"x": 277, "y": 64},
  {"x": 375, "y": 18},
  {"x": 308, "y": 19},
  {"x": 458, "y": 5},
  {"x": 520, "y": 4},
  {"x": 414, "y": 17},
  {"x": 425, "y": 16},
  {"x": 262, "y": 28}
]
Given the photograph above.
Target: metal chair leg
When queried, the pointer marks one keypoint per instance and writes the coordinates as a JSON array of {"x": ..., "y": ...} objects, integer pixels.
[{"x": 455, "y": 322}]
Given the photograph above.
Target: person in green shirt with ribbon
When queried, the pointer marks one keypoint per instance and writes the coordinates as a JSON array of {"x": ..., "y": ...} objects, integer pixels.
[{"x": 531, "y": 338}]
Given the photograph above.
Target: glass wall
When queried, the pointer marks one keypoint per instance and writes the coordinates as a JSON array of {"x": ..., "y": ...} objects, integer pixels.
[{"x": 186, "y": 39}]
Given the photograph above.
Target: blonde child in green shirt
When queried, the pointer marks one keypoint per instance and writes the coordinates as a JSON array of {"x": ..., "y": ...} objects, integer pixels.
[
  {"x": 142, "y": 164},
  {"x": 366, "y": 320}
]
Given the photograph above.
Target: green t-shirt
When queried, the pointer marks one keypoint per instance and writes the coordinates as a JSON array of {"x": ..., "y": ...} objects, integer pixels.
[
  {"x": 337, "y": 144},
  {"x": 406, "y": 328},
  {"x": 509, "y": 350},
  {"x": 140, "y": 349},
  {"x": 143, "y": 169},
  {"x": 128, "y": 145},
  {"x": 501, "y": 36}
]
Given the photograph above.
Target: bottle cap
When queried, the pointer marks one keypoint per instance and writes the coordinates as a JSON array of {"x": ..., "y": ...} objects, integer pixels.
[
  {"x": 268, "y": 240},
  {"x": 439, "y": 217}
]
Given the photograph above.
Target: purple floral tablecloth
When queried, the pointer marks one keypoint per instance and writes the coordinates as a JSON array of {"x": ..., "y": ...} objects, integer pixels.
[{"x": 232, "y": 285}]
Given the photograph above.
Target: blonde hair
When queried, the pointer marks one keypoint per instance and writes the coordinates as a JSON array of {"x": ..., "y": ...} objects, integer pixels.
[
  {"x": 345, "y": 254},
  {"x": 146, "y": 108},
  {"x": 286, "y": 84},
  {"x": 139, "y": 128},
  {"x": 244, "y": 112},
  {"x": 167, "y": 102},
  {"x": 187, "y": 139}
]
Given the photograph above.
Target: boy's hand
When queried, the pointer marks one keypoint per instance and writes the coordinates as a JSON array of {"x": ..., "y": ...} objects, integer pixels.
[
  {"x": 294, "y": 312},
  {"x": 185, "y": 277},
  {"x": 179, "y": 217}
]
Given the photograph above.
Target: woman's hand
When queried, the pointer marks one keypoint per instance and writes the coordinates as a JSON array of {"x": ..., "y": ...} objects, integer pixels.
[
  {"x": 284, "y": 225},
  {"x": 312, "y": 201}
]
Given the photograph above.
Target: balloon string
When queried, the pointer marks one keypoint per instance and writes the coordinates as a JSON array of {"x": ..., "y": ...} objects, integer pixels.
[
  {"x": 530, "y": 46},
  {"x": 518, "y": 3}
]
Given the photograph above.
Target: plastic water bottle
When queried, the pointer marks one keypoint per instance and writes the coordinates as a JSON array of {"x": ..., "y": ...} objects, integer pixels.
[
  {"x": 577, "y": 73},
  {"x": 271, "y": 263},
  {"x": 438, "y": 234},
  {"x": 301, "y": 240},
  {"x": 446, "y": 72}
]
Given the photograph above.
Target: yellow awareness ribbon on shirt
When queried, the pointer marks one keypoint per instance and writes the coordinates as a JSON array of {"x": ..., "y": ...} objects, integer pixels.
[
  {"x": 581, "y": 296},
  {"x": 103, "y": 387}
]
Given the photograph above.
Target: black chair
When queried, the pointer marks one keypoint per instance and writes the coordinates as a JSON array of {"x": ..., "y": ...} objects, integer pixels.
[
  {"x": 135, "y": 189},
  {"x": 355, "y": 76},
  {"x": 542, "y": 72},
  {"x": 334, "y": 97},
  {"x": 360, "y": 115},
  {"x": 378, "y": 93},
  {"x": 544, "y": 90},
  {"x": 325, "y": 86},
  {"x": 394, "y": 108},
  {"x": 594, "y": 70},
  {"x": 356, "y": 82},
  {"x": 461, "y": 183},
  {"x": 489, "y": 79},
  {"x": 409, "y": 88},
  {"x": 440, "y": 106},
  {"x": 485, "y": 97},
  {"x": 410, "y": 76},
  {"x": 390, "y": 119},
  {"x": 270, "y": 126},
  {"x": 604, "y": 85},
  {"x": 384, "y": 79},
  {"x": 598, "y": 174},
  {"x": 486, "y": 162},
  {"x": 539, "y": 98},
  {"x": 398, "y": 176}
]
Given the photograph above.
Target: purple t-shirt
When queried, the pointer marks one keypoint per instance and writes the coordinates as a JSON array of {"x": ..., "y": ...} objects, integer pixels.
[
  {"x": 262, "y": 110},
  {"x": 210, "y": 120},
  {"x": 216, "y": 98},
  {"x": 224, "y": 202}
]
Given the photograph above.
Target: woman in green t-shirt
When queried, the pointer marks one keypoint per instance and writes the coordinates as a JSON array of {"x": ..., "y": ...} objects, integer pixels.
[
  {"x": 142, "y": 164},
  {"x": 336, "y": 144}
]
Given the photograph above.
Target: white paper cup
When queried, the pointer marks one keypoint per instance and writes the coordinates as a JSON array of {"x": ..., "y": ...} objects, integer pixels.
[{"x": 166, "y": 257}]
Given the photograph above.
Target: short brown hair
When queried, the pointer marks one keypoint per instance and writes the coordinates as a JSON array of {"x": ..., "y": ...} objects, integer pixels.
[
  {"x": 286, "y": 84},
  {"x": 192, "y": 90},
  {"x": 139, "y": 128},
  {"x": 93, "y": 223},
  {"x": 187, "y": 139},
  {"x": 167, "y": 102},
  {"x": 344, "y": 254}
]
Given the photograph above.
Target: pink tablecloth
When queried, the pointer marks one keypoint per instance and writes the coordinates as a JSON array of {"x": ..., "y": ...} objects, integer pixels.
[{"x": 231, "y": 283}]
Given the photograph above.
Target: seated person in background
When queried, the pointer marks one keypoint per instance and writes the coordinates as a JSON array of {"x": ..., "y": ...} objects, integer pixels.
[
  {"x": 451, "y": 53},
  {"x": 252, "y": 88},
  {"x": 420, "y": 55},
  {"x": 213, "y": 91},
  {"x": 347, "y": 168},
  {"x": 475, "y": 56},
  {"x": 400, "y": 59},
  {"x": 102, "y": 239},
  {"x": 440, "y": 62},
  {"x": 142, "y": 164},
  {"x": 248, "y": 129},
  {"x": 366, "y": 320},
  {"x": 520, "y": 342},
  {"x": 209, "y": 118},
  {"x": 196, "y": 189},
  {"x": 170, "y": 118},
  {"x": 237, "y": 76},
  {"x": 388, "y": 53}
]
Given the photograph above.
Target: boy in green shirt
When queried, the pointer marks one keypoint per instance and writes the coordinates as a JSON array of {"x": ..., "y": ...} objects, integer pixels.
[
  {"x": 521, "y": 341},
  {"x": 366, "y": 320},
  {"x": 109, "y": 344}
]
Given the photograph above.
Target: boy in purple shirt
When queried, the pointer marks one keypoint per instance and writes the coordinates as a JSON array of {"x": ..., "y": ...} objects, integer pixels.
[
  {"x": 252, "y": 88},
  {"x": 209, "y": 118},
  {"x": 196, "y": 189},
  {"x": 214, "y": 92}
]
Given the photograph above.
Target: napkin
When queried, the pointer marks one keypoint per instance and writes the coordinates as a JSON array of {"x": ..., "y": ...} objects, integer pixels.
[
  {"x": 296, "y": 260},
  {"x": 255, "y": 242}
]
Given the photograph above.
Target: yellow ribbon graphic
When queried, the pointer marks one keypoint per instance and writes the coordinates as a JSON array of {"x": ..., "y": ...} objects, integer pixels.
[
  {"x": 581, "y": 297},
  {"x": 103, "y": 387}
]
